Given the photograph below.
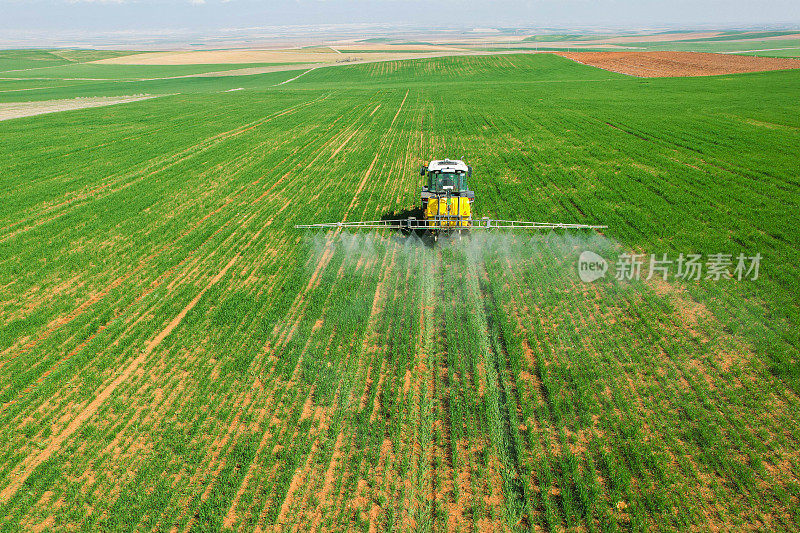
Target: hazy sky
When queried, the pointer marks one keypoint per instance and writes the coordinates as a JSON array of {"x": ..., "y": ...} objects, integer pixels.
[{"x": 101, "y": 16}]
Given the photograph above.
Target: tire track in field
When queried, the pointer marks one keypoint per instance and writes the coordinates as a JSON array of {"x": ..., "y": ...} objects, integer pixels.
[
  {"x": 508, "y": 397},
  {"x": 374, "y": 160},
  {"x": 437, "y": 353},
  {"x": 383, "y": 490},
  {"x": 371, "y": 334},
  {"x": 155, "y": 166},
  {"x": 329, "y": 505},
  {"x": 528, "y": 354},
  {"x": 354, "y": 487},
  {"x": 33, "y": 461},
  {"x": 443, "y": 478},
  {"x": 502, "y": 436},
  {"x": 412, "y": 497},
  {"x": 531, "y": 373},
  {"x": 310, "y": 476},
  {"x": 410, "y": 399},
  {"x": 321, "y": 265}
]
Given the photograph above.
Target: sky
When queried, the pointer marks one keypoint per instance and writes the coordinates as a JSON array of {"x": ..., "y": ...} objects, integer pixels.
[{"x": 54, "y": 18}]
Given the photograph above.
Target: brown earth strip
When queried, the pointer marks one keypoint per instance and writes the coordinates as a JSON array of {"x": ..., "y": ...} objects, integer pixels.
[
  {"x": 666, "y": 64},
  {"x": 344, "y": 143}
]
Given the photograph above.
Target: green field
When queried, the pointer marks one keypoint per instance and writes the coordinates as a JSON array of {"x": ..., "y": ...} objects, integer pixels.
[
  {"x": 554, "y": 37},
  {"x": 37, "y": 90},
  {"x": 766, "y": 43},
  {"x": 41, "y": 59},
  {"x": 174, "y": 355},
  {"x": 103, "y": 71},
  {"x": 773, "y": 47}
]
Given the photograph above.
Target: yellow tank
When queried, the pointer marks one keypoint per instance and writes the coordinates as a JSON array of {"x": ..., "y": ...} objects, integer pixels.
[{"x": 438, "y": 212}]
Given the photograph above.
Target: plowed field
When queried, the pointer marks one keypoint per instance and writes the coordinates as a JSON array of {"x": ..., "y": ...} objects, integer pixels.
[{"x": 664, "y": 64}]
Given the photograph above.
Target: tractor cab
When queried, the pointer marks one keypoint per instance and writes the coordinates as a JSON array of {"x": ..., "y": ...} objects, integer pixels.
[{"x": 446, "y": 178}]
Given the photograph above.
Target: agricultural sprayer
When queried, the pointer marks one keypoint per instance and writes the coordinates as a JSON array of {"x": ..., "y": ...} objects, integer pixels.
[{"x": 447, "y": 207}]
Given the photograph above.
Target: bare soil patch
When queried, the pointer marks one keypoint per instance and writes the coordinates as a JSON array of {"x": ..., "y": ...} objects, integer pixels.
[
  {"x": 665, "y": 64},
  {"x": 29, "y": 109},
  {"x": 217, "y": 57}
]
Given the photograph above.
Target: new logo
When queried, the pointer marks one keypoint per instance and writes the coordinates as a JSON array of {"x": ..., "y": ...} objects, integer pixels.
[{"x": 591, "y": 267}]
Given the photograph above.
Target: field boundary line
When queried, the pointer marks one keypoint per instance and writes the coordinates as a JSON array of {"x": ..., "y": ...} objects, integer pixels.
[
  {"x": 284, "y": 82},
  {"x": 31, "y": 464},
  {"x": 17, "y": 110},
  {"x": 399, "y": 109},
  {"x": 361, "y": 185},
  {"x": 344, "y": 143}
]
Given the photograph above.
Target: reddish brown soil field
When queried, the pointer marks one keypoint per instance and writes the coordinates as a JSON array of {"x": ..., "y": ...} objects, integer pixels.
[{"x": 662, "y": 64}]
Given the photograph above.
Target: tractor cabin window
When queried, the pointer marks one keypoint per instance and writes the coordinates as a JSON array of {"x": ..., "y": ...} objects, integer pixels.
[{"x": 437, "y": 181}]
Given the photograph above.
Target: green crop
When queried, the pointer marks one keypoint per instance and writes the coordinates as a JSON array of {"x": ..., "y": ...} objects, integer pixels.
[{"x": 174, "y": 354}]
